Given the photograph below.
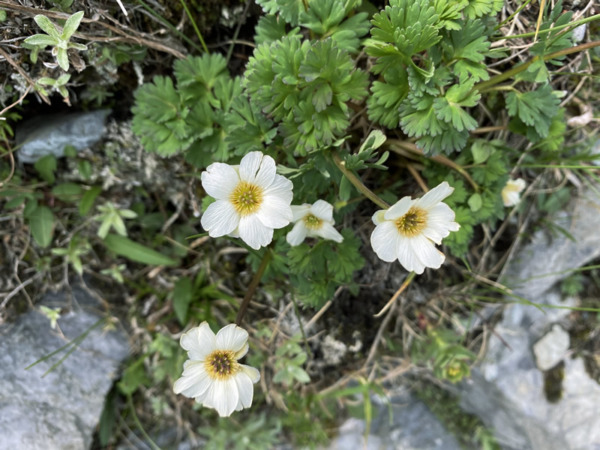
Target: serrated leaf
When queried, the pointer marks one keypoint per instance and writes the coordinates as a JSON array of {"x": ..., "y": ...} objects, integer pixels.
[
  {"x": 124, "y": 246},
  {"x": 534, "y": 108}
]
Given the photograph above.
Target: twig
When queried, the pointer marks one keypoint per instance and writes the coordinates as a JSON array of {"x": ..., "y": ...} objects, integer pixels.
[
  {"x": 253, "y": 285},
  {"x": 23, "y": 73},
  {"x": 404, "y": 285}
]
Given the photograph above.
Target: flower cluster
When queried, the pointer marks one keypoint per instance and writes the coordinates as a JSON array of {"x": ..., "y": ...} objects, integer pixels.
[
  {"x": 252, "y": 201},
  {"x": 212, "y": 374}
]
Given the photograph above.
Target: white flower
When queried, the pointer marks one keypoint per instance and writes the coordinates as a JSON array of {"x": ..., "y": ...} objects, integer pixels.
[
  {"x": 408, "y": 230},
  {"x": 212, "y": 374},
  {"x": 252, "y": 200},
  {"x": 314, "y": 220},
  {"x": 511, "y": 192}
]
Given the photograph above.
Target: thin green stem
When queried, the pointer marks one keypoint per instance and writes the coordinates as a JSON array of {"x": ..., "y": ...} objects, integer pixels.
[
  {"x": 149, "y": 440},
  {"x": 196, "y": 29},
  {"x": 548, "y": 30},
  {"x": 167, "y": 24},
  {"x": 509, "y": 18},
  {"x": 358, "y": 184},
  {"x": 485, "y": 85},
  {"x": 237, "y": 30},
  {"x": 253, "y": 285}
]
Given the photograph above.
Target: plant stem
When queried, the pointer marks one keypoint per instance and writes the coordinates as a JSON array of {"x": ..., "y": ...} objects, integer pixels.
[
  {"x": 395, "y": 143},
  {"x": 149, "y": 440},
  {"x": 548, "y": 30},
  {"x": 404, "y": 285},
  {"x": 358, "y": 184},
  {"x": 253, "y": 285},
  {"x": 198, "y": 33},
  {"x": 485, "y": 85}
]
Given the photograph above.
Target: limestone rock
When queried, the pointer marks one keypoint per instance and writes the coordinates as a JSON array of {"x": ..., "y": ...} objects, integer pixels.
[
  {"x": 48, "y": 135},
  {"x": 59, "y": 410}
]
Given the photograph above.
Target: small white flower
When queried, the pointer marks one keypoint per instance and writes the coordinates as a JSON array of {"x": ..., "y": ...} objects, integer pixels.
[
  {"x": 252, "y": 200},
  {"x": 212, "y": 374},
  {"x": 408, "y": 230},
  {"x": 511, "y": 192},
  {"x": 314, "y": 220}
]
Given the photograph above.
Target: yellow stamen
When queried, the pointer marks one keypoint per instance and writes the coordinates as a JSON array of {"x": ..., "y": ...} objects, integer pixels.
[
  {"x": 221, "y": 364},
  {"x": 312, "y": 222},
  {"x": 246, "y": 198},
  {"x": 412, "y": 223}
]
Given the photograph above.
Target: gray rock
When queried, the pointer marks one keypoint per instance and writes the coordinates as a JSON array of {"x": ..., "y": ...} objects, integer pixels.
[
  {"x": 507, "y": 390},
  {"x": 59, "y": 410},
  {"x": 413, "y": 427},
  {"x": 48, "y": 135},
  {"x": 551, "y": 348}
]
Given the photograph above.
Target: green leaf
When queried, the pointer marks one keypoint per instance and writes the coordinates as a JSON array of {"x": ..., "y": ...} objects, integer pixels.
[
  {"x": 182, "y": 297},
  {"x": 534, "y": 108},
  {"x": 478, "y": 8},
  {"x": 133, "y": 377},
  {"x": 475, "y": 202},
  {"x": 62, "y": 58},
  {"x": 88, "y": 199},
  {"x": 46, "y": 24},
  {"x": 71, "y": 25},
  {"x": 41, "y": 40},
  {"x": 124, "y": 246},
  {"x": 290, "y": 10},
  {"x": 41, "y": 222},
  {"x": 271, "y": 28},
  {"x": 46, "y": 166},
  {"x": 67, "y": 192},
  {"x": 449, "y": 108}
]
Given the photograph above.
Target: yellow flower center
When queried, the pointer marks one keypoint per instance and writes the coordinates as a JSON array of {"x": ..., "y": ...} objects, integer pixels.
[
  {"x": 220, "y": 364},
  {"x": 412, "y": 223},
  {"x": 312, "y": 222},
  {"x": 246, "y": 198}
]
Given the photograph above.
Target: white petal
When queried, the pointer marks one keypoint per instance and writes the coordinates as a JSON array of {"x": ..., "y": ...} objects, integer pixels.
[
  {"x": 232, "y": 338},
  {"x": 384, "y": 241},
  {"x": 399, "y": 208},
  {"x": 299, "y": 211},
  {"x": 254, "y": 233},
  {"x": 275, "y": 212},
  {"x": 257, "y": 168},
  {"x": 323, "y": 210},
  {"x": 223, "y": 396},
  {"x": 245, "y": 389},
  {"x": 194, "y": 381},
  {"x": 297, "y": 235},
  {"x": 328, "y": 232},
  {"x": 379, "y": 216},
  {"x": 199, "y": 342},
  {"x": 220, "y": 218},
  {"x": 241, "y": 352},
  {"x": 282, "y": 188},
  {"x": 253, "y": 373},
  {"x": 440, "y": 221},
  {"x": 434, "y": 196},
  {"x": 219, "y": 180},
  {"x": 426, "y": 252},
  {"x": 407, "y": 257}
]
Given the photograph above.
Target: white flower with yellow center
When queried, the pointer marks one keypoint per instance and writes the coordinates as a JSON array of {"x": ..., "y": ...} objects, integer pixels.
[
  {"x": 314, "y": 220},
  {"x": 252, "y": 200},
  {"x": 212, "y": 374},
  {"x": 408, "y": 230},
  {"x": 511, "y": 193}
]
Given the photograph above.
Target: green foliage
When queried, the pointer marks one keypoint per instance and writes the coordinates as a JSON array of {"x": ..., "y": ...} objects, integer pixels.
[
  {"x": 288, "y": 364},
  {"x": 255, "y": 431},
  {"x": 77, "y": 248},
  {"x": 317, "y": 271},
  {"x": 136, "y": 252},
  {"x": 112, "y": 217},
  {"x": 533, "y": 111},
  {"x": 57, "y": 38}
]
